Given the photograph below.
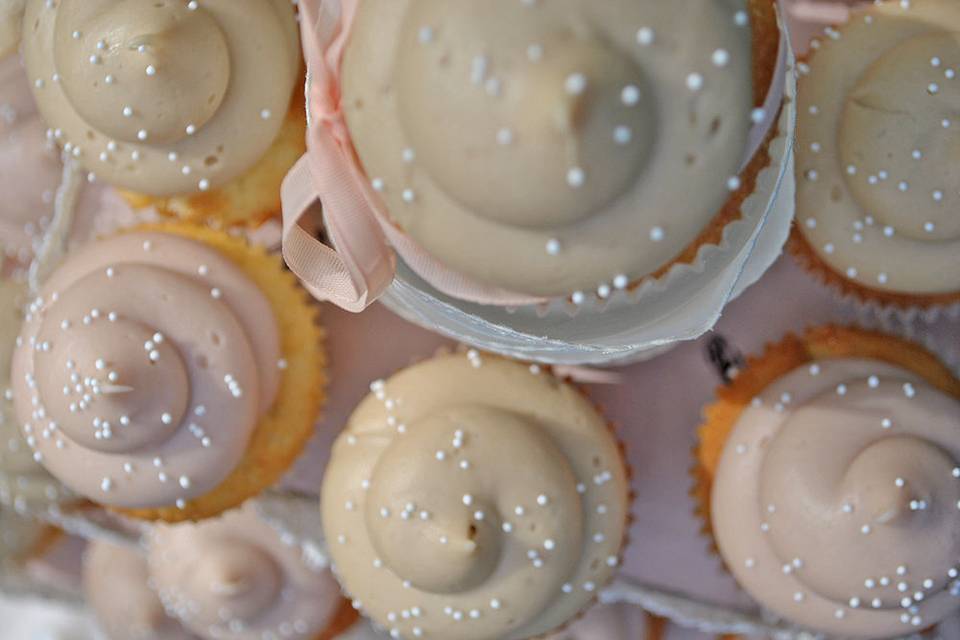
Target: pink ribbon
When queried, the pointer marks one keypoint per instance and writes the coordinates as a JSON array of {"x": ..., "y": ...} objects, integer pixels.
[{"x": 360, "y": 265}]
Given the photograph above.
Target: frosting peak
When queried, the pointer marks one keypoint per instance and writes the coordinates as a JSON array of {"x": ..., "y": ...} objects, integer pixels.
[
  {"x": 237, "y": 579},
  {"x": 152, "y": 95},
  {"x": 835, "y": 502},
  {"x": 453, "y": 542}
]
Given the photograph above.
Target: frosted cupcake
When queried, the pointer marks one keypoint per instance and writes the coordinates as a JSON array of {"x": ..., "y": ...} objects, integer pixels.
[
  {"x": 170, "y": 373},
  {"x": 878, "y": 185},
  {"x": 596, "y": 146},
  {"x": 234, "y": 579},
  {"x": 167, "y": 100},
  {"x": 829, "y": 476},
  {"x": 116, "y": 584},
  {"x": 474, "y": 497}
]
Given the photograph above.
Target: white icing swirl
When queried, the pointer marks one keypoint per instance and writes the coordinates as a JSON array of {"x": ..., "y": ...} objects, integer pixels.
[
  {"x": 163, "y": 98},
  {"x": 836, "y": 499},
  {"x": 143, "y": 368},
  {"x": 472, "y": 498},
  {"x": 590, "y": 140}
]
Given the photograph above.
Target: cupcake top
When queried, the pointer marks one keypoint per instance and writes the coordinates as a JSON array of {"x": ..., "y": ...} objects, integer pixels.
[
  {"x": 234, "y": 579},
  {"x": 143, "y": 368},
  {"x": 116, "y": 583},
  {"x": 835, "y": 503},
  {"x": 879, "y": 186},
  {"x": 594, "y": 141},
  {"x": 609, "y": 622},
  {"x": 474, "y": 497},
  {"x": 19, "y": 536},
  {"x": 163, "y": 98},
  {"x": 22, "y": 479}
]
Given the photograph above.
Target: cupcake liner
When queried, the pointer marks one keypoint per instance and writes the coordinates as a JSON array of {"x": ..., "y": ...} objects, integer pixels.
[
  {"x": 778, "y": 359},
  {"x": 283, "y": 432},
  {"x": 887, "y": 306}
]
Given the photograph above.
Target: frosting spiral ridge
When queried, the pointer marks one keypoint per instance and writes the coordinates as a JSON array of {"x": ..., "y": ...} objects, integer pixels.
[
  {"x": 234, "y": 578},
  {"x": 877, "y": 147},
  {"x": 835, "y": 503},
  {"x": 152, "y": 95},
  {"x": 459, "y": 484},
  {"x": 143, "y": 369},
  {"x": 579, "y": 131}
]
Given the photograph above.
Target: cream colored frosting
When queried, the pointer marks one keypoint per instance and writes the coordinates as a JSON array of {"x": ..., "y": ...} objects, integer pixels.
[
  {"x": 548, "y": 147},
  {"x": 836, "y": 500},
  {"x": 234, "y": 579},
  {"x": 609, "y": 622},
  {"x": 22, "y": 479},
  {"x": 474, "y": 498},
  {"x": 879, "y": 186},
  {"x": 163, "y": 98},
  {"x": 143, "y": 369},
  {"x": 116, "y": 583},
  {"x": 11, "y": 18}
]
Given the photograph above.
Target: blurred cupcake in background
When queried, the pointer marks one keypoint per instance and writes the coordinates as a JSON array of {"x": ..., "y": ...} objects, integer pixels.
[
  {"x": 192, "y": 108},
  {"x": 828, "y": 474},
  {"x": 878, "y": 185},
  {"x": 474, "y": 497},
  {"x": 170, "y": 373},
  {"x": 232, "y": 578}
]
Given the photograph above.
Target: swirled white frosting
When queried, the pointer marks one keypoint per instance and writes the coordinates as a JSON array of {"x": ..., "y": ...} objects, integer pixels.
[
  {"x": 233, "y": 578},
  {"x": 472, "y": 497},
  {"x": 163, "y": 98},
  {"x": 837, "y": 499},
  {"x": 879, "y": 185}
]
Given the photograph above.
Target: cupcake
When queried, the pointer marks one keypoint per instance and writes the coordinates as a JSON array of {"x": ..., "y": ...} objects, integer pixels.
[
  {"x": 168, "y": 102},
  {"x": 170, "y": 373},
  {"x": 23, "y": 481},
  {"x": 878, "y": 185},
  {"x": 829, "y": 476},
  {"x": 116, "y": 585},
  {"x": 234, "y": 579},
  {"x": 596, "y": 145},
  {"x": 473, "y": 497}
]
